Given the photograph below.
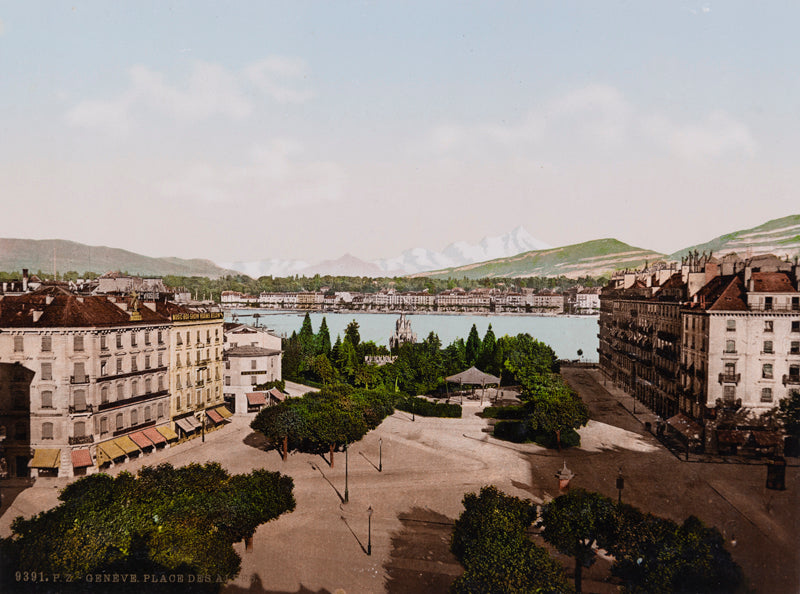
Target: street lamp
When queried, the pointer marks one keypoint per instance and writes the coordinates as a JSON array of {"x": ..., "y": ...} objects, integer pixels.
[
  {"x": 620, "y": 485},
  {"x": 346, "y": 492},
  {"x": 369, "y": 530},
  {"x": 380, "y": 454}
]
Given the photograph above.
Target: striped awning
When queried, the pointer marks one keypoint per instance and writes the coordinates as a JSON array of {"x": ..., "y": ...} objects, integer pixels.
[
  {"x": 185, "y": 424},
  {"x": 46, "y": 458},
  {"x": 256, "y": 399},
  {"x": 224, "y": 412},
  {"x": 126, "y": 444},
  {"x": 193, "y": 422},
  {"x": 82, "y": 458},
  {"x": 153, "y": 435},
  {"x": 214, "y": 416},
  {"x": 109, "y": 450},
  {"x": 140, "y": 439},
  {"x": 168, "y": 433}
]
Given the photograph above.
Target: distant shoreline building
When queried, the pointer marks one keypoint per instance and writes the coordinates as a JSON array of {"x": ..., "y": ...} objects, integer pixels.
[{"x": 402, "y": 333}]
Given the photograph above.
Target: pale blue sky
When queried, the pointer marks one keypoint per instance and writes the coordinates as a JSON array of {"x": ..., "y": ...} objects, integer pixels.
[{"x": 250, "y": 130}]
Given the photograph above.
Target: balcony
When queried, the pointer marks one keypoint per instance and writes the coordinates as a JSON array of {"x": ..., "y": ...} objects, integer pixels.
[
  {"x": 132, "y": 400},
  {"x": 86, "y": 409},
  {"x": 775, "y": 307},
  {"x": 81, "y": 440},
  {"x": 789, "y": 379},
  {"x": 199, "y": 383},
  {"x": 79, "y": 379},
  {"x": 730, "y": 378}
]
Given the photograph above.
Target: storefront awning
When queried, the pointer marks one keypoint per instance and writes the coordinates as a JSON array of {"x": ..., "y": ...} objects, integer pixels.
[
  {"x": 685, "y": 426},
  {"x": 277, "y": 394},
  {"x": 193, "y": 422},
  {"x": 731, "y": 436},
  {"x": 256, "y": 399},
  {"x": 140, "y": 439},
  {"x": 109, "y": 451},
  {"x": 168, "y": 433},
  {"x": 126, "y": 444},
  {"x": 214, "y": 416},
  {"x": 82, "y": 458},
  {"x": 185, "y": 424},
  {"x": 153, "y": 435},
  {"x": 224, "y": 412},
  {"x": 45, "y": 458}
]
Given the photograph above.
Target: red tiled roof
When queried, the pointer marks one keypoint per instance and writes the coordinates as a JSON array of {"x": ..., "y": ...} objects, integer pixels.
[{"x": 772, "y": 282}]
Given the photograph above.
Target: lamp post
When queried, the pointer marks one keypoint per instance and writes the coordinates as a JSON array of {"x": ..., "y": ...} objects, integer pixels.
[
  {"x": 346, "y": 492},
  {"x": 620, "y": 485},
  {"x": 413, "y": 406},
  {"x": 369, "y": 530},
  {"x": 380, "y": 454}
]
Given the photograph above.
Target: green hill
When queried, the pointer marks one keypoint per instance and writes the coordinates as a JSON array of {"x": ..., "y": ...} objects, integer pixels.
[
  {"x": 779, "y": 236},
  {"x": 16, "y": 254},
  {"x": 592, "y": 258}
]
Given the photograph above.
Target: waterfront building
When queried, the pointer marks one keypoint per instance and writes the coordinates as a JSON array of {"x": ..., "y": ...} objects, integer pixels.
[
  {"x": 252, "y": 356},
  {"x": 402, "y": 333},
  {"x": 587, "y": 301}
]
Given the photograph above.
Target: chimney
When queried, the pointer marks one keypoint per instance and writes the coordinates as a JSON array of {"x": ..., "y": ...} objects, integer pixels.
[{"x": 24, "y": 280}]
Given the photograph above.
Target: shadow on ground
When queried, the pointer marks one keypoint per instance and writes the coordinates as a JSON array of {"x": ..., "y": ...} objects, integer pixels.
[
  {"x": 421, "y": 560},
  {"x": 258, "y": 441},
  {"x": 257, "y": 587}
]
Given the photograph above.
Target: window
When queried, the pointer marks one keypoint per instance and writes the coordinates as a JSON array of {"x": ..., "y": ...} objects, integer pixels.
[
  {"x": 796, "y": 326},
  {"x": 79, "y": 429},
  {"x": 768, "y": 346},
  {"x": 104, "y": 395},
  {"x": 180, "y": 340},
  {"x": 147, "y": 361},
  {"x": 134, "y": 364},
  {"x": 188, "y": 338},
  {"x": 104, "y": 367},
  {"x": 729, "y": 393},
  {"x": 134, "y": 417},
  {"x": 147, "y": 337},
  {"x": 768, "y": 324},
  {"x": 47, "y": 371},
  {"x": 119, "y": 423},
  {"x": 120, "y": 392},
  {"x": 227, "y": 364},
  {"x": 47, "y": 344},
  {"x": 18, "y": 344},
  {"x": 119, "y": 340},
  {"x": 730, "y": 346},
  {"x": 253, "y": 364},
  {"x": 794, "y": 347},
  {"x": 79, "y": 374},
  {"x": 160, "y": 337},
  {"x": 148, "y": 414},
  {"x": 208, "y": 336},
  {"x": 47, "y": 399},
  {"x": 178, "y": 401},
  {"x": 766, "y": 394},
  {"x": 199, "y": 397},
  {"x": 730, "y": 368},
  {"x": 768, "y": 303},
  {"x": 148, "y": 385},
  {"x": 103, "y": 342},
  {"x": 103, "y": 426},
  {"x": 227, "y": 380},
  {"x": 133, "y": 339},
  {"x": 160, "y": 383},
  {"x": 254, "y": 379},
  {"x": 794, "y": 371},
  {"x": 795, "y": 303},
  {"x": 160, "y": 410},
  {"x": 161, "y": 359},
  {"x": 80, "y": 400},
  {"x": 119, "y": 365},
  {"x": 47, "y": 430},
  {"x": 77, "y": 343},
  {"x": 766, "y": 371},
  {"x": 731, "y": 325},
  {"x": 134, "y": 388}
]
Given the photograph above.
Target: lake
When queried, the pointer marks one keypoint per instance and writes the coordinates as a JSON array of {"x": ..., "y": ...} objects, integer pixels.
[{"x": 565, "y": 334}]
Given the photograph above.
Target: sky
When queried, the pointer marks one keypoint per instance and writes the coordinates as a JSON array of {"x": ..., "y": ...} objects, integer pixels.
[{"x": 309, "y": 129}]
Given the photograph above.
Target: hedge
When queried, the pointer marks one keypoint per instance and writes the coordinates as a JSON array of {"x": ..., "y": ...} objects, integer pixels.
[
  {"x": 425, "y": 408},
  {"x": 516, "y": 412}
]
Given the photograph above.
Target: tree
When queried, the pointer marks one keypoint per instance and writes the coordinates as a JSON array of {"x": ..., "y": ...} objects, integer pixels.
[
  {"x": 306, "y": 338},
  {"x": 473, "y": 346},
  {"x": 491, "y": 542},
  {"x": 789, "y": 414},
  {"x": 577, "y": 523},
  {"x": 487, "y": 360},
  {"x": 351, "y": 333},
  {"x": 164, "y": 520},
  {"x": 557, "y": 408},
  {"x": 324, "y": 339}
]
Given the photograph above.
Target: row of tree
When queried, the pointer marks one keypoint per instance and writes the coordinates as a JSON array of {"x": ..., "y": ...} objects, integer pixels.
[
  {"x": 324, "y": 421},
  {"x": 650, "y": 554},
  {"x": 163, "y": 521}
]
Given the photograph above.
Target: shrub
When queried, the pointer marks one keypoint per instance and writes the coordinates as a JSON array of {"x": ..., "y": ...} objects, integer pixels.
[
  {"x": 569, "y": 439},
  {"x": 425, "y": 408},
  {"x": 516, "y": 431},
  {"x": 504, "y": 412}
]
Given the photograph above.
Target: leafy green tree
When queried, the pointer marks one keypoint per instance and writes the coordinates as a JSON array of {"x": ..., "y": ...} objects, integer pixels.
[
  {"x": 789, "y": 414},
  {"x": 291, "y": 359},
  {"x": 351, "y": 333},
  {"x": 488, "y": 360},
  {"x": 306, "y": 338},
  {"x": 491, "y": 542},
  {"x": 577, "y": 523},
  {"x": 556, "y": 409},
  {"x": 322, "y": 369}
]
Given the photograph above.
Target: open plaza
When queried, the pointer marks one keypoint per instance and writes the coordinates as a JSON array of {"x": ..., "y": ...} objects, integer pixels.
[{"x": 413, "y": 475}]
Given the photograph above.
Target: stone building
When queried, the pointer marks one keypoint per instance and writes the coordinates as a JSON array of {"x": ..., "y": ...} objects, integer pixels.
[
  {"x": 252, "y": 357},
  {"x": 402, "y": 333}
]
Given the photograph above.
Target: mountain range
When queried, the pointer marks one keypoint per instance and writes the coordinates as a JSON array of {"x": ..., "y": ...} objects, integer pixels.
[{"x": 515, "y": 254}]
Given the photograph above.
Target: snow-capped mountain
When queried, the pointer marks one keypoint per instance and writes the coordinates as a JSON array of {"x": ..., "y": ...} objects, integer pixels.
[
  {"x": 461, "y": 253},
  {"x": 410, "y": 261}
]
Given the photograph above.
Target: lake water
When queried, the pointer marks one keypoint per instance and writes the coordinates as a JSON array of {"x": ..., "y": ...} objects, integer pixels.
[{"x": 565, "y": 334}]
